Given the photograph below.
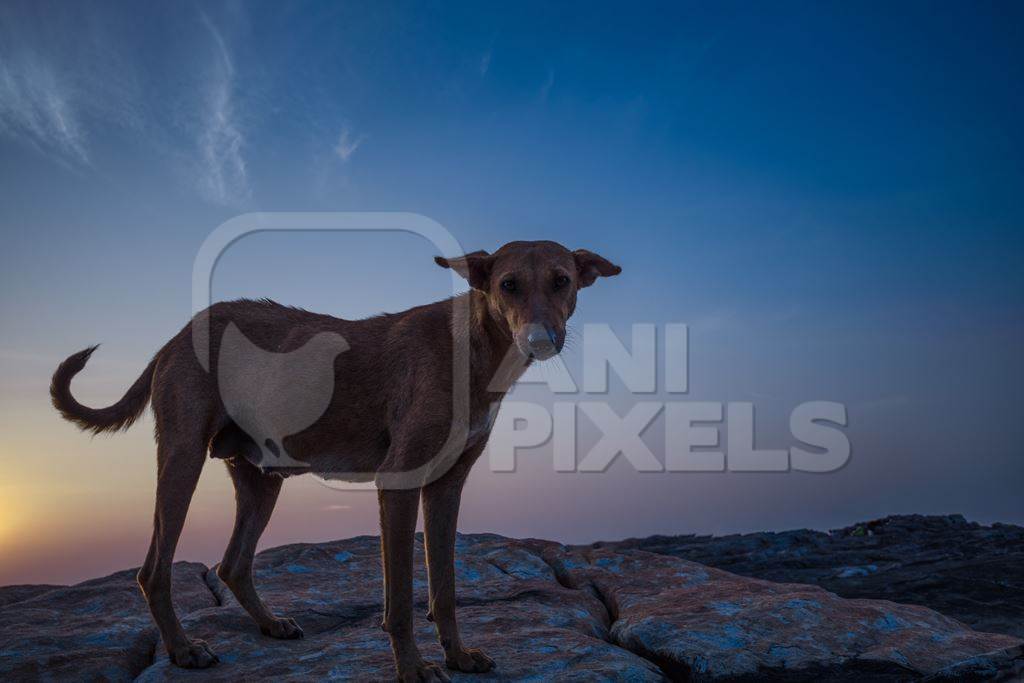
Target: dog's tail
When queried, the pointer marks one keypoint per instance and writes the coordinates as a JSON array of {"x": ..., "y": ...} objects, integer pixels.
[{"x": 121, "y": 415}]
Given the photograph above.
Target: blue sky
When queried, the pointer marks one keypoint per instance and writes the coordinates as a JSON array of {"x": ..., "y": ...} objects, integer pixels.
[{"x": 828, "y": 193}]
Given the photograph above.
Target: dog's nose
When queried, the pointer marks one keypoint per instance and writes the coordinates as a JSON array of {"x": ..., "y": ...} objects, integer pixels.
[{"x": 542, "y": 341}]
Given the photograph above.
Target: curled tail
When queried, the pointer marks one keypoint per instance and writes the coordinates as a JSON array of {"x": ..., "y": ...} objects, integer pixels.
[{"x": 121, "y": 415}]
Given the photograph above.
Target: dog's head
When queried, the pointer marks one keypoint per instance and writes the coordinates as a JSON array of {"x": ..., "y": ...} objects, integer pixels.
[{"x": 531, "y": 288}]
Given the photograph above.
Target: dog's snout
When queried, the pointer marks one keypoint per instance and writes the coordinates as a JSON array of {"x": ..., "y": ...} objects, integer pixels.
[{"x": 543, "y": 342}]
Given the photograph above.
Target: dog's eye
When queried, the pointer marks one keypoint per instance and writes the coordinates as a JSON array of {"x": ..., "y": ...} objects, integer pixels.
[
  {"x": 561, "y": 281},
  {"x": 508, "y": 285}
]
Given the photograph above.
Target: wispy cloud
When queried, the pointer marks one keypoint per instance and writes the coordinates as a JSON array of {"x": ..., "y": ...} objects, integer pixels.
[
  {"x": 348, "y": 143},
  {"x": 224, "y": 177},
  {"x": 37, "y": 106},
  {"x": 63, "y": 75},
  {"x": 485, "y": 62},
  {"x": 69, "y": 80}
]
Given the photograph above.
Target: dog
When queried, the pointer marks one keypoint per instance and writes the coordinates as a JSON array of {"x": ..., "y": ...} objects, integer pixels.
[{"x": 391, "y": 409}]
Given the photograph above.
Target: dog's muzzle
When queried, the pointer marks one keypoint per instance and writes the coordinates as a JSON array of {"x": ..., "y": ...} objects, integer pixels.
[{"x": 542, "y": 342}]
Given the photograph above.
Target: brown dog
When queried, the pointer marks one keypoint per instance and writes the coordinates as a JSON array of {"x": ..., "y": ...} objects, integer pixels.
[{"x": 390, "y": 410}]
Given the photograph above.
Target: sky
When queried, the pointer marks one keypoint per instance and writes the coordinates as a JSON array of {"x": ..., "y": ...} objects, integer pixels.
[{"x": 829, "y": 195}]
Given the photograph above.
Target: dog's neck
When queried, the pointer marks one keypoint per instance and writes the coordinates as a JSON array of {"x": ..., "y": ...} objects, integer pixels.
[{"x": 495, "y": 362}]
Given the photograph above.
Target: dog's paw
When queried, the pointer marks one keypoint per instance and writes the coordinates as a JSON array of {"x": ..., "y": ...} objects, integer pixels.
[
  {"x": 468, "y": 660},
  {"x": 195, "y": 654},
  {"x": 283, "y": 628},
  {"x": 423, "y": 672}
]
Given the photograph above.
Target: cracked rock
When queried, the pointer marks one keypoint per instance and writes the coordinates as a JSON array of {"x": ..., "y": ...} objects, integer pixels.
[{"x": 543, "y": 611}]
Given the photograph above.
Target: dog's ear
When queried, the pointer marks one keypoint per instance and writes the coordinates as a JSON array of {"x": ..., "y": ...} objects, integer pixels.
[
  {"x": 475, "y": 267},
  {"x": 591, "y": 266}
]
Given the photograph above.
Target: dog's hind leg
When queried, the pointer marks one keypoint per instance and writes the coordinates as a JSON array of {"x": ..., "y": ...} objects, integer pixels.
[
  {"x": 255, "y": 496},
  {"x": 178, "y": 468}
]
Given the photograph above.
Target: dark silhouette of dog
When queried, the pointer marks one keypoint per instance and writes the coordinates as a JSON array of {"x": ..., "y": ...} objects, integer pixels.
[{"x": 385, "y": 405}]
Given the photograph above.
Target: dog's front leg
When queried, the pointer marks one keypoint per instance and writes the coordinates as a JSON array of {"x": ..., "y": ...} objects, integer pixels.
[
  {"x": 398, "y": 510},
  {"x": 440, "y": 513}
]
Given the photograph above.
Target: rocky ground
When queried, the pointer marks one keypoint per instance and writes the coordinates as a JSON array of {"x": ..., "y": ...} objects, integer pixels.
[
  {"x": 609, "y": 612},
  {"x": 967, "y": 571}
]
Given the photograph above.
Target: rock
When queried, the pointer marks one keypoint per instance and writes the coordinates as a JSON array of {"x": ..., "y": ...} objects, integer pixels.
[
  {"x": 543, "y": 611},
  {"x": 9, "y": 594},
  {"x": 697, "y": 622},
  {"x": 967, "y": 571},
  {"x": 511, "y": 605},
  {"x": 99, "y": 629},
  {"x": 1003, "y": 665}
]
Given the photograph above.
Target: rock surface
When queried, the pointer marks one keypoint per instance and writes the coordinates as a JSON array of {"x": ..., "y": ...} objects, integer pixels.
[
  {"x": 99, "y": 629},
  {"x": 967, "y": 571},
  {"x": 696, "y": 621},
  {"x": 543, "y": 611}
]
